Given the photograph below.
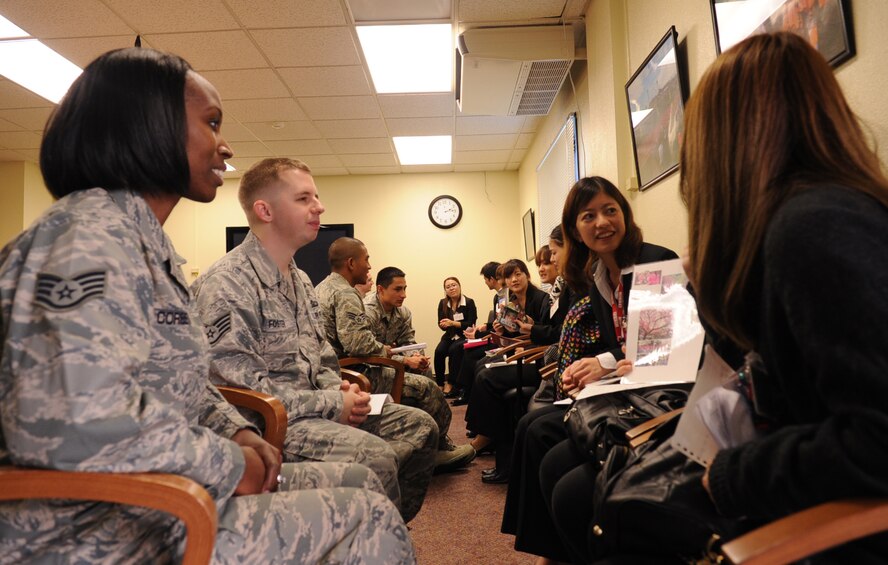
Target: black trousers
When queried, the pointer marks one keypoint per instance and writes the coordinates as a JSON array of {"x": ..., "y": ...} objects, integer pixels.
[
  {"x": 452, "y": 351},
  {"x": 491, "y": 414},
  {"x": 472, "y": 360},
  {"x": 567, "y": 483},
  {"x": 526, "y": 514}
]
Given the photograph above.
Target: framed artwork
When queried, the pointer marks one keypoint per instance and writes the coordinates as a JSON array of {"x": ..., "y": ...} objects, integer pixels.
[
  {"x": 655, "y": 94},
  {"x": 826, "y": 24},
  {"x": 529, "y": 236}
]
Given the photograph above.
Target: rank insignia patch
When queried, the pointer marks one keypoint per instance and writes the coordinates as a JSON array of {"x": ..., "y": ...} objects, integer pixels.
[
  {"x": 217, "y": 329},
  {"x": 60, "y": 294}
]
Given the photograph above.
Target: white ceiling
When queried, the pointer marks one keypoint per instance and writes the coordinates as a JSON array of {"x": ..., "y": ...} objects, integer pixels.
[{"x": 291, "y": 74}]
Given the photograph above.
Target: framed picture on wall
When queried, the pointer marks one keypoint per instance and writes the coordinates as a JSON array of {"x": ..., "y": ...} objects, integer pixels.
[
  {"x": 655, "y": 94},
  {"x": 529, "y": 236},
  {"x": 826, "y": 24}
]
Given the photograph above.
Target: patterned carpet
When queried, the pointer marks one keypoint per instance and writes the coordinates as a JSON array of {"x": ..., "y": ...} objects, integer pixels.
[{"x": 460, "y": 520}]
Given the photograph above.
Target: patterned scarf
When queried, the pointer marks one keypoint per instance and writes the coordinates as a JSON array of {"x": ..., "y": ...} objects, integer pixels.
[{"x": 579, "y": 335}]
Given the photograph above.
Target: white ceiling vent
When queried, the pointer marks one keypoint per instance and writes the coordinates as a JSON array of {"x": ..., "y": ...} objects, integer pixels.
[{"x": 514, "y": 71}]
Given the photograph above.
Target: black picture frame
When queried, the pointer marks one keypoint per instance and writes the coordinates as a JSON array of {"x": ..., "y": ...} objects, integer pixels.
[
  {"x": 656, "y": 95},
  {"x": 826, "y": 25},
  {"x": 529, "y": 235}
]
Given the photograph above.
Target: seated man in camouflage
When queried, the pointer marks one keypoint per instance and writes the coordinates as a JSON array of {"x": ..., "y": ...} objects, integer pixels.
[
  {"x": 263, "y": 321},
  {"x": 348, "y": 331},
  {"x": 392, "y": 322}
]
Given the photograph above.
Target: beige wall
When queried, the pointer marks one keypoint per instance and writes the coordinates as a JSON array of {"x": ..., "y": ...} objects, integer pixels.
[
  {"x": 390, "y": 213},
  {"x": 12, "y": 180},
  {"x": 619, "y": 35}
]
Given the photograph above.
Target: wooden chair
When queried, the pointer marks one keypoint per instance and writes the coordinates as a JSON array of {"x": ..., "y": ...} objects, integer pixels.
[
  {"x": 799, "y": 535},
  {"x": 357, "y": 378},
  {"x": 397, "y": 385}
]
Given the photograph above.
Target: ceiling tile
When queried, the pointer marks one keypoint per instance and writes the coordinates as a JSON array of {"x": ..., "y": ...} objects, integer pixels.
[
  {"x": 233, "y": 131},
  {"x": 251, "y": 149},
  {"x": 374, "y": 170},
  {"x": 289, "y": 130},
  {"x": 476, "y": 142},
  {"x": 242, "y": 164},
  {"x": 171, "y": 16},
  {"x": 331, "y": 171},
  {"x": 509, "y": 10},
  {"x": 323, "y": 161},
  {"x": 531, "y": 123},
  {"x": 513, "y": 166},
  {"x": 517, "y": 155},
  {"x": 300, "y": 148},
  {"x": 212, "y": 50},
  {"x": 28, "y": 118},
  {"x": 362, "y": 145},
  {"x": 288, "y": 13},
  {"x": 417, "y": 105},
  {"x": 7, "y": 155},
  {"x": 473, "y": 168},
  {"x": 308, "y": 47},
  {"x": 333, "y": 129},
  {"x": 15, "y": 96},
  {"x": 83, "y": 50},
  {"x": 369, "y": 160},
  {"x": 324, "y": 81},
  {"x": 247, "y": 84},
  {"x": 420, "y": 126},
  {"x": 525, "y": 140},
  {"x": 7, "y": 125},
  {"x": 399, "y": 10},
  {"x": 19, "y": 140},
  {"x": 264, "y": 110},
  {"x": 341, "y": 107},
  {"x": 31, "y": 154},
  {"x": 49, "y": 18},
  {"x": 476, "y": 157},
  {"x": 475, "y": 125}
]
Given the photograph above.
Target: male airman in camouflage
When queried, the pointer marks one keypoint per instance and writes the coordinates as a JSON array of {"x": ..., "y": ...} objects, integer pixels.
[
  {"x": 263, "y": 322},
  {"x": 392, "y": 322},
  {"x": 348, "y": 330}
]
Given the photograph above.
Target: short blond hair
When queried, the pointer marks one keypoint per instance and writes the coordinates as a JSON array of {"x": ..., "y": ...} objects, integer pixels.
[{"x": 261, "y": 175}]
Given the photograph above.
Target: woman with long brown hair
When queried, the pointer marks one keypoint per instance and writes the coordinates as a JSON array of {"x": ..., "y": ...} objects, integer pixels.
[{"x": 456, "y": 313}]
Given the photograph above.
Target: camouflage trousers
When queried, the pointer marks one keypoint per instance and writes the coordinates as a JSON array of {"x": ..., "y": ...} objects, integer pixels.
[
  {"x": 398, "y": 445},
  {"x": 420, "y": 392},
  {"x": 325, "y": 513}
]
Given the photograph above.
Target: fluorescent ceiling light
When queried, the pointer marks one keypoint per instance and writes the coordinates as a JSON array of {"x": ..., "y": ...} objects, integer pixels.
[
  {"x": 9, "y": 30},
  {"x": 424, "y": 150},
  {"x": 409, "y": 58},
  {"x": 229, "y": 167},
  {"x": 32, "y": 64}
]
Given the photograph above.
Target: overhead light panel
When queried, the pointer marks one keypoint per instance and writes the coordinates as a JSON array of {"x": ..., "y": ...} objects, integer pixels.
[
  {"x": 424, "y": 149},
  {"x": 409, "y": 58},
  {"x": 32, "y": 64}
]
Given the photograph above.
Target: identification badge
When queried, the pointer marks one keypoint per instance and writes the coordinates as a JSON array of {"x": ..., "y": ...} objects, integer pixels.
[{"x": 458, "y": 317}]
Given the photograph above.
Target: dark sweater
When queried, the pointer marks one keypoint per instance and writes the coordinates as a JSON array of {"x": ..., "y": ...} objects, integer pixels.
[{"x": 822, "y": 314}]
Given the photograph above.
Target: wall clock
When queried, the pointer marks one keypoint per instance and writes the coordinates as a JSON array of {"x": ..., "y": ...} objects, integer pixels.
[{"x": 445, "y": 211}]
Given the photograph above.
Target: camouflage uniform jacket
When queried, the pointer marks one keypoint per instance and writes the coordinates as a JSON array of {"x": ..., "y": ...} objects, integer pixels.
[
  {"x": 394, "y": 328},
  {"x": 102, "y": 369},
  {"x": 345, "y": 321},
  {"x": 265, "y": 332}
]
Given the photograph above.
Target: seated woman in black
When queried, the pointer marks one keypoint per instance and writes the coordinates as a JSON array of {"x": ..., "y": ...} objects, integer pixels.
[
  {"x": 600, "y": 239},
  {"x": 489, "y": 411},
  {"x": 455, "y": 313}
]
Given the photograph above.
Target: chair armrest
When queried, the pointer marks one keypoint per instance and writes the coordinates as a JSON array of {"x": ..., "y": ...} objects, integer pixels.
[
  {"x": 398, "y": 384},
  {"x": 809, "y": 532},
  {"x": 174, "y": 494},
  {"x": 512, "y": 346},
  {"x": 529, "y": 355},
  {"x": 643, "y": 432},
  {"x": 270, "y": 408},
  {"x": 357, "y": 378},
  {"x": 547, "y": 371}
]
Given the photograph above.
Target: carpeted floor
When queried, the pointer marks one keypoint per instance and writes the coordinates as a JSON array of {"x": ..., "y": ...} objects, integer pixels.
[{"x": 460, "y": 520}]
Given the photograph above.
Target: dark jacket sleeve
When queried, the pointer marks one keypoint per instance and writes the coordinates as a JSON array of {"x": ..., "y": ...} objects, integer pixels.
[
  {"x": 470, "y": 314},
  {"x": 549, "y": 331}
]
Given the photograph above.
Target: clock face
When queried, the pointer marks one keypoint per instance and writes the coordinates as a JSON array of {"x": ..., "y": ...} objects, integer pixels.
[{"x": 445, "y": 211}]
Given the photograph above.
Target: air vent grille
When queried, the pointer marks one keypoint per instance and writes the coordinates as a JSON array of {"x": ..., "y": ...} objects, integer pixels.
[{"x": 543, "y": 82}]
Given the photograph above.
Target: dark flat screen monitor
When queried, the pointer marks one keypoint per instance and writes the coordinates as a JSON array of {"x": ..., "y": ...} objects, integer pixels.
[{"x": 312, "y": 258}]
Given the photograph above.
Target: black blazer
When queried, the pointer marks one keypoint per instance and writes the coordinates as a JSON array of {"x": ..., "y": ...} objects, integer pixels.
[
  {"x": 549, "y": 331},
  {"x": 469, "y": 312},
  {"x": 650, "y": 253}
]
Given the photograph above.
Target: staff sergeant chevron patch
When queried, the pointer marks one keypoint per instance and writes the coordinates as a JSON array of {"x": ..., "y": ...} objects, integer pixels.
[
  {"x": 60, "y": 294},
  {"x": 217, "y": 329}
]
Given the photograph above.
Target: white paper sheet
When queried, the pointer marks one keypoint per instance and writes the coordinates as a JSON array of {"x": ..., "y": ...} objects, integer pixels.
[
  {"x": 412, "y": 347},
  {"x": 377, "y": 401}
]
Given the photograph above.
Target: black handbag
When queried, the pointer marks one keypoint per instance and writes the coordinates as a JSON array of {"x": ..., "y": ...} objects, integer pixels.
[
  {"x": 598, "y": 424},
  {"x": 655, "y": 504}
]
